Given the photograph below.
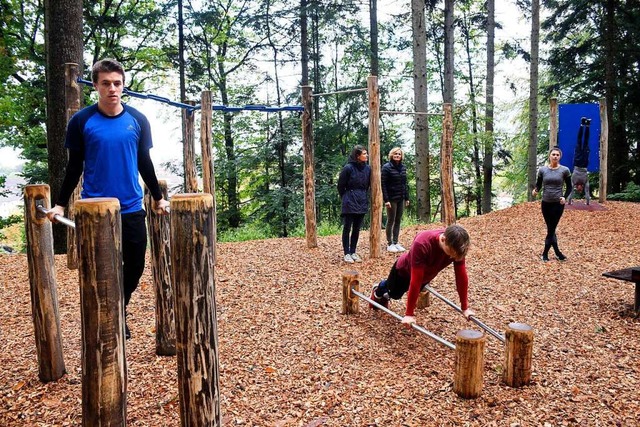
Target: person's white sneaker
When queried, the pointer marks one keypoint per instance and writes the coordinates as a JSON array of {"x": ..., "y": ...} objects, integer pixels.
[
  {"x": 392, "y": 248},
  {"x": 348, "y": 259},
  {"x": 399, "y": 247},
  {"x": 356, "y": 257}
]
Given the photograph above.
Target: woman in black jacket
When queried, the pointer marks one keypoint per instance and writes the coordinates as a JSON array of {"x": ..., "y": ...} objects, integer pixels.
[
  {"x": 353, "y": 183},
  {"x": 395, "y": 194}
]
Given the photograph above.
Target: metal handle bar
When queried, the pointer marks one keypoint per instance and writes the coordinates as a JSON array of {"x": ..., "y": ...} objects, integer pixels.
[
  {"x": 397, "y": 316},
  {"x": 472, "y": 318},
  {"x": 60, "y": 218}
]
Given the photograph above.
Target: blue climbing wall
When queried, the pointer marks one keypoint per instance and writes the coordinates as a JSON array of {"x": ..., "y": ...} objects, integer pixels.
[{"x": 569, "y": 123}]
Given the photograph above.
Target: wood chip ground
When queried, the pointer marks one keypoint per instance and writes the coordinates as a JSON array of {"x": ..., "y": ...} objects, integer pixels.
[{"x": 289, "y": 358}]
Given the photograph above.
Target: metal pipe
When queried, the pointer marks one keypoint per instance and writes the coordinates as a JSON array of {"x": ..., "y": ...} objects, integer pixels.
[
  {"x": 364, "y": 89},
  {"x": 472, "y": 318},
  {"x": 397, "y": 316},
  {"x": 59, "y": 218},
  {"x": 412, "y": 113}
]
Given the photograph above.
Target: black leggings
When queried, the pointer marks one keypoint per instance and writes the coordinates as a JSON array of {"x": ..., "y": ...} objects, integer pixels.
[
  {"x": 551, "y": 212},
  {"x": 352, "y": 224},
  {"x": 134, "y": 246}
]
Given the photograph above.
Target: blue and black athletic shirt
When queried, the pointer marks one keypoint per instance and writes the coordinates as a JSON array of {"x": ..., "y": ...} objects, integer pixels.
[{"x": 111, "y": 150}]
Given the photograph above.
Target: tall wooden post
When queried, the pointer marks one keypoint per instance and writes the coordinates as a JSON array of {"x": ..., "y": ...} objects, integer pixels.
[
  {"x": 73, "y": 102},
  {"x": 553, "y": 122},
  {"x": 104, "y": 366},
  {"x": 469, "y": 364},
  {"x": 208, "y": 171},
  {"x": 159, "y": 231},
  {"x": 604, "y": 151},
  {"x": 446, "y": 167},
  {"x": 188, "y": 150},
  {"x": 192, "y": 270},
  {"x": 374, "y": 161},
  {"x": 309, "y": 169},
  {"x": 42, "y": 281},
  {"x": 518, "y": 351},
  {"x": 349, "y": 300}
]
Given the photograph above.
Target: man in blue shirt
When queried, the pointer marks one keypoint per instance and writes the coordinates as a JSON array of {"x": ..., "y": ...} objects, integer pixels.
[{"x": 109, "y": 142}]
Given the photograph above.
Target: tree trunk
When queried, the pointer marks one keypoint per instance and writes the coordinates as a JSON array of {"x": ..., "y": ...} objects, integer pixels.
[
  {"x": 532, "y": 160},
  {"x": 373, "y": 30},
  {"x": 63, "y": 43},
  {"x": 304, "y": 43},
  {"x": 420, "y": 99},
  {"x": 449, "y": 53},
  {"x": 487, "y": 163},
  {"x": 477, "y": 192}
]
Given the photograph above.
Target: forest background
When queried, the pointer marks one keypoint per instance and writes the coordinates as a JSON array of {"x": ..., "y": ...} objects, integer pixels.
[{"x": 260, "y": 52}]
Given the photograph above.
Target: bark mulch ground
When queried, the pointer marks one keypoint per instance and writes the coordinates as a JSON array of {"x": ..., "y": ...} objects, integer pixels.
[{"x": 289, "y": 358}]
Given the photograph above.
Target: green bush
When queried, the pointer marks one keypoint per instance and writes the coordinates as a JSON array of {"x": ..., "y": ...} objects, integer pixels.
[{"x": 631, "y": 193}]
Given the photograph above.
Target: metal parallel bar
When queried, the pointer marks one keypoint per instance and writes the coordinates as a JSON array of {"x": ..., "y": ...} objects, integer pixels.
[
  {"x": 364, "y": 89},
  {"x": 413, "y": 113},
  {"x": 472, "y": 318},
  {"x": 59, "y": 218},
  {"x": 397, "y": 316}
]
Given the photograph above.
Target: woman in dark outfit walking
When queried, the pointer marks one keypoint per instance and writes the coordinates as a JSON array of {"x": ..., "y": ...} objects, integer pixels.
[
  {"x": 552, "y": 177},
  {"x": 395, "y": 195},
  {"x": 353, "y": 184}
]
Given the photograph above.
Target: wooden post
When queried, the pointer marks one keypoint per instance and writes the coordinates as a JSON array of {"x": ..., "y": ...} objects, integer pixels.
[
  {"x": 104, "y": 366},
  {"x": 446, "y": 167},
  {"x": 159, "y": 230},
  {"x": 310, "y": 225},
  {"x": 349, "y": 300},
  {"x": 42, "y": 281},
  {"x": 375, "y": 231},
  {"x": 553, "y": 122},
  {"x": 192, "y": 270},
  {"x": 518, "y": 351},
  {"x": 424, "y": 300},
  {"x": 469, "y": 364},
  {"x": 208, "y": 171},
  {"x": 73, "y": 102},
  {"x": 604, "y": 151},
  {"x": 188, "y": 150}
]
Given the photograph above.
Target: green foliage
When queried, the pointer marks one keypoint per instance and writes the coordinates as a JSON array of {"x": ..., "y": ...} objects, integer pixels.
[
  {"x": 631, "y": 193},
  {"x": 8, "y": 221}
]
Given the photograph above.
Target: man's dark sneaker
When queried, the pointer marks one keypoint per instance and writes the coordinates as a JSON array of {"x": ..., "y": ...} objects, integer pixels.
[
  {"x": 382, "y": 301},
  {"x": 544, "y": 258},
  {"x": 127, "y": 332},
  {"x": 561, "y": 257}
]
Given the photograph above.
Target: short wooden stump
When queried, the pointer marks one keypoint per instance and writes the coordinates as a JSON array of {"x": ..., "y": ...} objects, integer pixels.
[
  {"x": 469, "y": 363},
  {"x": 518, "y": 351}
]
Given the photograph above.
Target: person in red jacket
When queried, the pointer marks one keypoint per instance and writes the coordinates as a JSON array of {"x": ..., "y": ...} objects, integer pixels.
[{"x": 430, "y": 252}]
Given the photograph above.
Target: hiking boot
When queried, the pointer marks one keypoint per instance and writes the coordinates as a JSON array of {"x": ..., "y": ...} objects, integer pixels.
[
  {"x": 356, "y": 257},
  {"x": 348, "y": 259},
  {"x": 382, "y": 301}
]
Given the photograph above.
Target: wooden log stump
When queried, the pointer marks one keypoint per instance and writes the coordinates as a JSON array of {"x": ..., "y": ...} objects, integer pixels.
[
  {"x": 159, "y": 239},
  {"x": 104, "y": 366},
  {"x": 424, "y": 300},
  {"x": 192, "y": 268},
  {"x": 350, "y": 301},
  {"x": 469, "y": 363},
  {"x": 42, "y": 281},
  {"x": 518, "y": 351}
]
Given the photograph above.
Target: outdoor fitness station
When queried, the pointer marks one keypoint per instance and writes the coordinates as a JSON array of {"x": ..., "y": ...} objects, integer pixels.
[
  {"x": 182, "y": 260},
  {"x": 469, "y": 345}
]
